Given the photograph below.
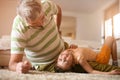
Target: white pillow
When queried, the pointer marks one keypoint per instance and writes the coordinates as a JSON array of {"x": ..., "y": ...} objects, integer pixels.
[{"x": 5, "y": 42}]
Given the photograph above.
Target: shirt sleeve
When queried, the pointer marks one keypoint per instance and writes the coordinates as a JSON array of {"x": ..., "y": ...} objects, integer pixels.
[
  {"x": 18, "y": 40},
  {"x": 49, "y": 7}
]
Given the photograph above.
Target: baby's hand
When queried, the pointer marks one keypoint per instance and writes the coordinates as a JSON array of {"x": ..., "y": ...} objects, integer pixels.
[
  {"x": 73, "y": 46},
  {"x": 115, "y": 72}
]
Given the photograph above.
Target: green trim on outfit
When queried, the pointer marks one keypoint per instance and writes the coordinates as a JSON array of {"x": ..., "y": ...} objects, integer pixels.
[
  {"x": 45, "y": 67},
  {"x": 95, "y": 66},
  {"x": 103, "y": 67},
  {"x": 78, "y": 68}
]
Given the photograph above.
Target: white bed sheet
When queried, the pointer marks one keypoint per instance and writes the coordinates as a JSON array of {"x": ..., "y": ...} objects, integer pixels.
[{"x": 5, "y": 44}]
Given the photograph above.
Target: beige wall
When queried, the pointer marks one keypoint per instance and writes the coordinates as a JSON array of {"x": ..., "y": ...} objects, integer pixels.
[
  {"x": 89, "y": 26},
  {"x": 85, "y": 26},
  {"x": 7, "y": 14},
  {"x": 82, "y": 26}
]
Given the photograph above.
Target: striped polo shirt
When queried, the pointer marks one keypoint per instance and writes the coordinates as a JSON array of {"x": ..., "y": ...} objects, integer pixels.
[{"x": 41, "y": 45}]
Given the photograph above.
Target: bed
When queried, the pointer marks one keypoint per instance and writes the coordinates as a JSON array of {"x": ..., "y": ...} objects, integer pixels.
[
  {"x": 5, "y": 74},
  {"x": 5, "y": 47}
]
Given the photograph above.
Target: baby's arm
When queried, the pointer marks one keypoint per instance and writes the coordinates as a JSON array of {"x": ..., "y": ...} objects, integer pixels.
[{"x": 73, "y": 46}]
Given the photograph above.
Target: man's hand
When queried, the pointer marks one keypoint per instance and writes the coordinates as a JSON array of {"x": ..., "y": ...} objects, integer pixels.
[{"x": 23, "y": 67}]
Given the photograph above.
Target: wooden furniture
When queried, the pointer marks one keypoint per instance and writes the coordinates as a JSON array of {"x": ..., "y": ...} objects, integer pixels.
[{"x": 4, "y": 58}]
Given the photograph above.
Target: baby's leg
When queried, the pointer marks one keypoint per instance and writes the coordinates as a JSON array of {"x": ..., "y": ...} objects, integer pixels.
[{"x": 111, "y": 42}]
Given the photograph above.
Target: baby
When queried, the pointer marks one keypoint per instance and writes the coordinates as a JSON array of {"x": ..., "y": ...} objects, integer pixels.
[{"x": 68, "y": 58}]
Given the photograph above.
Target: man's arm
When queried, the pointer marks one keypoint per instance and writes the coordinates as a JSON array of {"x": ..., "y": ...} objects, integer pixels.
[
  {"x": 16, "y": 64},
  {"x": 59, "y": 18},
  {"x": 14, "y": 60}
]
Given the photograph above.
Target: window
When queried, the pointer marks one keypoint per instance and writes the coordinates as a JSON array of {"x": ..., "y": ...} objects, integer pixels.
[
  {"x": 116, "y": 22},
  {"x": 112, "y": 21}
]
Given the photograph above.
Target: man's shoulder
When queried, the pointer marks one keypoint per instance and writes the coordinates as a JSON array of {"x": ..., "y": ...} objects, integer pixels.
[
  {"x": 44, "y": 1},
  {"x": 19, "y": 24},
  {"x": 18, "y": 18}
]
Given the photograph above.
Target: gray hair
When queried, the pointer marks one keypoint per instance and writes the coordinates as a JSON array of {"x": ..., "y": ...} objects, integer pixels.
[{"x": 29, "y": 9}]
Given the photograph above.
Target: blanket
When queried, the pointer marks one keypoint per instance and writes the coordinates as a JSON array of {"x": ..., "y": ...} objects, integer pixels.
[{"x": 5, "y": 74}]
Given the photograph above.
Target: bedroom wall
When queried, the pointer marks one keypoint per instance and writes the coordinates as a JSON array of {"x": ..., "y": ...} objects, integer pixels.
[
  {"x": 87, "y": 26},
  {"x": 90, "y": 25},
  {"x": 7, "y": 13}
]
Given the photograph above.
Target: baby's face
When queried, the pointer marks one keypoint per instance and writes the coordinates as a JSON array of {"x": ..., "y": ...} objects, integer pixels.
[{"x": 65, "y": 60}]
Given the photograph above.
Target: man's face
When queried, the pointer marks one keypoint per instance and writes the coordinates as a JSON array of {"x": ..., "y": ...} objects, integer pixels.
[
  {"x": 65, "y": 60},
  {"x": 37, "y": 22}
]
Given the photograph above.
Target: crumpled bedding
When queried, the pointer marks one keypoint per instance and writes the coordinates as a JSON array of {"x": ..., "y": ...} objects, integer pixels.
[{"x": 5, "y": 42}]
